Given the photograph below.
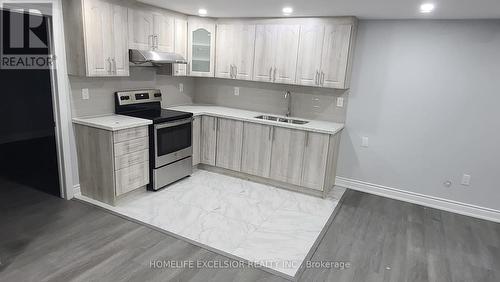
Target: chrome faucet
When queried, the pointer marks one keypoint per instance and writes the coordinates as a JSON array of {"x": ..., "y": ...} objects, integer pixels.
[{"x": 288, "y": 96}]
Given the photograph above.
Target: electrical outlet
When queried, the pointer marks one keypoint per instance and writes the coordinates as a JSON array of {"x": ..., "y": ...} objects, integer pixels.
[
  {"x": 466, "y": 180},
  {"x": 181, "y": 87},
  {"x": 340, "y": 102},
  {"x": 85, "y": 94},
  {"x": 364, "y": 141},
  {"x": 236, "y": 91}
]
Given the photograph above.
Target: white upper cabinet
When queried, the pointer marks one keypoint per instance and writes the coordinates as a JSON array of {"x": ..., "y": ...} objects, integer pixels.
[
  {"x": 163, "y": 32},
  {"x": 140, "y": 26},
  {"x": 120, "y": 61},
  {"x": 335, "y": 56},
  {"x": 98, "y": 33},
  {"x": 180, "y": 45},
  {"x": 96, "y": 38},
  {"x": 324, "y": 54},
  {"x": 201, "y": 46},
  {"x": 150, "y": 30},
  {"x": 309, "y": 59},
  {"x": 265, "y": 50},
  {"x": 235, "y": 51},
  {"x": 224, "y": 64},
  {"x": 244, "y": 46},
  {"x": 276, "y": 49},
  {"x": 287, "y": 43}
]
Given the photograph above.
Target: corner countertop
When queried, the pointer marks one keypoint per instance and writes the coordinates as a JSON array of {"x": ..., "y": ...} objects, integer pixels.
[
  {"x": 112, "y": 122},
  {"x": 231, "y": 113}
]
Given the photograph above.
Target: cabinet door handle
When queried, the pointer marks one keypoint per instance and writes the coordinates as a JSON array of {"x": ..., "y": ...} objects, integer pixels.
[
  {"x": 316, "y": 78},
  {"x": 215, "y": 121},
  {"x": 235, "y": 72},
  {"x": 109, "y": 64},
  {"x": 270, "y": 128},
  {"x": 270, "y": 73},
  {"x": 272, "y": 139},
  {"x": 114, "y": 65},
  {"x": 157, "y": 37},
  {"x": 274, "y": 74},
  {"x": 307, "y": 139},
  {"x": 150, "y": 39},
  {"x": 322, "y": 78}
]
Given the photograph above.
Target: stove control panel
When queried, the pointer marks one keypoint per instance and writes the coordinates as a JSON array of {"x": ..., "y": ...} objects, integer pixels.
[{"x": 138, "y": 96}]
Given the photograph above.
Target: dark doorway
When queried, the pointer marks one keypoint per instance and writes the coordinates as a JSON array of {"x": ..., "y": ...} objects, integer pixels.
[{"x": 28, "y": 153}]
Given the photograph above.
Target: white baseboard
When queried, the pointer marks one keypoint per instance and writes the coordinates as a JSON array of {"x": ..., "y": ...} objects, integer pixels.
[
  {"x": 76, "y": 190},
  {"x": 420, "y": 199}
]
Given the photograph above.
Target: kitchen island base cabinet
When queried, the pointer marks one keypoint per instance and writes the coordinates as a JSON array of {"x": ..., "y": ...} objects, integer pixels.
[
  {"x": 256, "y": 151},
  {"x": 229, "y": 143},
  {"x": 111, "y": 163}
]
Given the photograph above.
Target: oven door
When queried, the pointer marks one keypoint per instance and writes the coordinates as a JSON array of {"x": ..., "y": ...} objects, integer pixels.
[{"x": 172, "y": 141}]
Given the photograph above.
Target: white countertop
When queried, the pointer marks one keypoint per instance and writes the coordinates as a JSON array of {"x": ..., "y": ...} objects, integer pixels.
[
  {"x": 112, "y": 122},
  {"x": 224, "y": 112}
]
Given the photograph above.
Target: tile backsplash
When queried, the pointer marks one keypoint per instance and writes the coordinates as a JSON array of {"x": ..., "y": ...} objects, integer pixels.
[
  {"x": 101, "y": 90},
  {"x": 307, "y": 102}
]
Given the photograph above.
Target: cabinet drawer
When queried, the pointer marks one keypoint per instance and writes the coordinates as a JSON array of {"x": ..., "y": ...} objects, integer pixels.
[
  {"x": 131, "y": 146},
  {"x": 129, "y": 134},
  {"x": 134, "y": 158},
  {"x": 131, "y": 178}
]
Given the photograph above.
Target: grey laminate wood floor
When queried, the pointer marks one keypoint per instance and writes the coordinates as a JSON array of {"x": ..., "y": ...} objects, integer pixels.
[{"x": 43, "y": 238}]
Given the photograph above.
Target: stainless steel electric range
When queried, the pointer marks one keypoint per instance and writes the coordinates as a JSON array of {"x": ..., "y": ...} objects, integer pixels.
[{"x": 170, "y": 149}]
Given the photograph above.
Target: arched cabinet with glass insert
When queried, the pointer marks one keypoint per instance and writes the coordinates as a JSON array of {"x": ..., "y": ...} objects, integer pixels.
[{"x": 201, "y": 43}]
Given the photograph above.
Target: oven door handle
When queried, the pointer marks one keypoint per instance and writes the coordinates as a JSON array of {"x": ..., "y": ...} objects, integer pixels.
[{"x": 175, "y": 123}]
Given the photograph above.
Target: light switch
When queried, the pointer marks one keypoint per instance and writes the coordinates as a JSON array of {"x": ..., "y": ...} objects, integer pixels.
[
  {"x": 85, "y": 94},
  {"x": 181, "y": 87},
  {"x": 340, "y": 102},
  {"x": 236, "y": 91},
  {"x": 364, "y": 141}
]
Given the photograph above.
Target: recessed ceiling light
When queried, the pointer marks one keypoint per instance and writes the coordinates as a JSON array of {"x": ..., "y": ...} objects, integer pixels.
[
  {"x": 426, "y": 8},
  {"x": 202, "y": 12},
  {"x": 287, "y": 11}
]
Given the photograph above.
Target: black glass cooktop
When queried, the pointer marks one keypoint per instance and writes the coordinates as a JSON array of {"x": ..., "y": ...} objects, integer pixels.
[{"x": 160, "y": 115}]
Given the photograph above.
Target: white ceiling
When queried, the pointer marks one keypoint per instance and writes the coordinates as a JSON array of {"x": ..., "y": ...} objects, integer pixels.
[{"x": 365, "y": 9}]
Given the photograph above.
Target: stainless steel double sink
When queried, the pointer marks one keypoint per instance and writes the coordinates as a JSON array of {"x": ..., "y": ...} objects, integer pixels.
[{"x": 281, "y": 119}]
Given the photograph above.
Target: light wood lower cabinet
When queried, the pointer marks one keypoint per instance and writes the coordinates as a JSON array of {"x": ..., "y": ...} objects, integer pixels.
[
  {"x": 208, "y": 140},
  {"x": 291, "y": 158},
  {"x": 256, "y": 151},
  {"x": 195, "y": 140},
  {"x": 315, "y": 160},
  {"x": 287, "y": 154},
  {"x": 132, "y": 177},
  {"x": 229, "y": 144},
  {"x": 111, "y": 163}
]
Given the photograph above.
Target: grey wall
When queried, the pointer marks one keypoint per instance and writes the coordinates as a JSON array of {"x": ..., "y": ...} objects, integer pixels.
[
  {"x": 307, "y": 102},
  {"x": 426, "y": 93}
]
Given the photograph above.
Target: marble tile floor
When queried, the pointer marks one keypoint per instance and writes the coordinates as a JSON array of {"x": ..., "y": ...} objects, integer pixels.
[{"x": 273, "y": 227}]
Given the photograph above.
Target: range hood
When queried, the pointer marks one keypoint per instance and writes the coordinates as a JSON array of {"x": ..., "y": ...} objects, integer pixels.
[
  {"x": 155, "y": 58},
  {"x": 165, "y": 63}
]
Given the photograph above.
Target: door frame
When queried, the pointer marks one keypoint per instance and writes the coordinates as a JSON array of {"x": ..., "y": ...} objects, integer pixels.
[{"x": 61, "y": 101}]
